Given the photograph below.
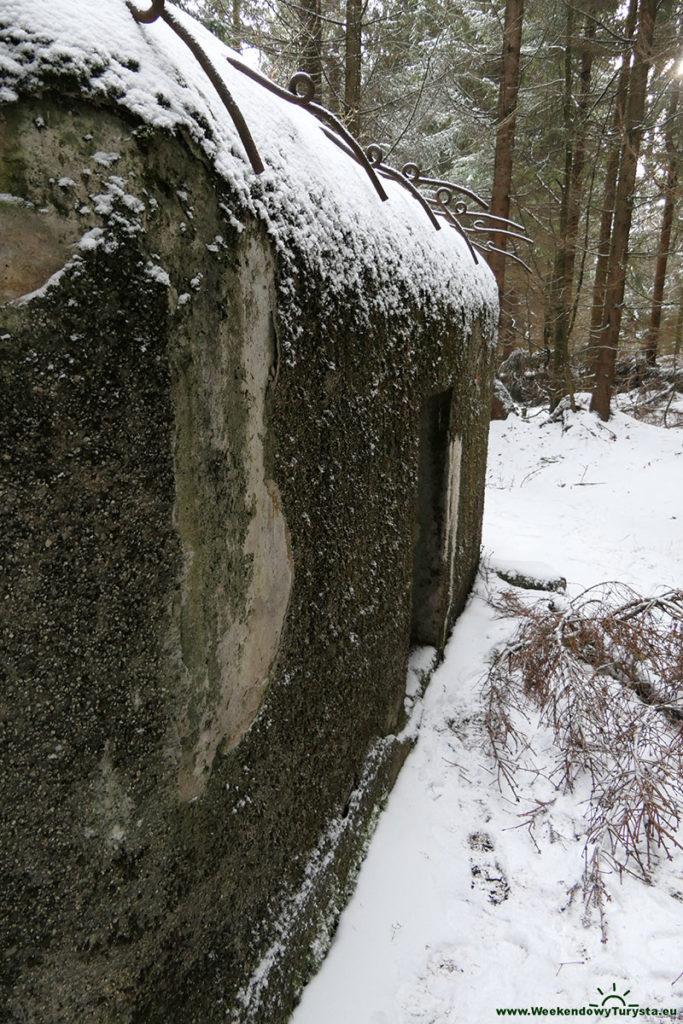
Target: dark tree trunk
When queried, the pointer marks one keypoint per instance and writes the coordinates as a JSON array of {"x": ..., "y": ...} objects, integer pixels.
[
  {"x": 623, "y": 210},
  {"x": 310, "y": 48},
  {"x": 505, "y": 144},
  {"x": 611, "y": 175},
  {"x": 352, "y": 64},
  {"x": 570, "y": 211},
  {"x": 652, "y": 337}
]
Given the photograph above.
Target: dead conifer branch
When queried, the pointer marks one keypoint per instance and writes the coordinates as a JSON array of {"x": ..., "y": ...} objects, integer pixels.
[{"x": 605, "y": 673}]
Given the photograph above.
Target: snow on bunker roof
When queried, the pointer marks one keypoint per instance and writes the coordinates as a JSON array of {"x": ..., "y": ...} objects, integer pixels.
[{"x": 315, "y": 200}]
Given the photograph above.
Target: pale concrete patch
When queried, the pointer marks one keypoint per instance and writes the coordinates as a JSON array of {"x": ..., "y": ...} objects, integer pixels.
[
  {"x": 33, "y": 247},
  {"x": 248, "y": 642}
]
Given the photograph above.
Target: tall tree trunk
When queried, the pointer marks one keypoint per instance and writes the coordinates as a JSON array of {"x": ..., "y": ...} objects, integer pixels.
[
  {"x": 652, "y": 337},
  {"x": 310, "y": 46},
  {"x": 623, "y": 211},
  {"x": 611, "y": 175},
  {"x": 575, "y": 129},
  {"x": 352, "y": 64},
  {"x": 505, "y": 145}
]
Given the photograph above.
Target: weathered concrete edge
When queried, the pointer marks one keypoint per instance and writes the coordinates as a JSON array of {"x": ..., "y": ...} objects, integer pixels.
[{"x": 308, "y": 917}]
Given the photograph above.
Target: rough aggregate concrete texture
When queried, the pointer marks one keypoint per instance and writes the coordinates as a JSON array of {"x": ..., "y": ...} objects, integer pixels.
[{"x": 208, "y": 527}]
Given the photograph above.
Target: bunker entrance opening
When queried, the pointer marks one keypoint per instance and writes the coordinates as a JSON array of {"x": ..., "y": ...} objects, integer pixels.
[{"x": 430, "y": 575}]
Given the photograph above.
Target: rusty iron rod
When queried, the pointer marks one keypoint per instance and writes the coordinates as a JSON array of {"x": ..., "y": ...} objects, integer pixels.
[
  {"x": 267, "y": 83},
  {"x": 301, "y": 91},
  {"x": 437, "y": 183},
  {"x": 498, "y": 231},
  {"x": 490, "y": 247},
  {"x": 501, "y": 220},
  {"x": 306, "y": 99},
  {"x": 455, "y": 223},
  {"x": 148, "y": 16},
  {"x": 395, "y": 175},
  {"x": 375, "y": 155},
  {"x": 157, "y": 10},
  {"x": 328, "y": 118},
  {"x": 414, "y": 174}
]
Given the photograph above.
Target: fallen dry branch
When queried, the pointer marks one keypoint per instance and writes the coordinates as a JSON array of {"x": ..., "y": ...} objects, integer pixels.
[{"x": 605, "y": 670}]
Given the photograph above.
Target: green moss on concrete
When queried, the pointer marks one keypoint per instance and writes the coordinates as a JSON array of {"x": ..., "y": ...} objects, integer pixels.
[{"x": 12, "y": 164}]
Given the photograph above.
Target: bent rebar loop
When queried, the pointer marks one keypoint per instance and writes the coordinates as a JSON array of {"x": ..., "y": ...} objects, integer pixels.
[
  {"x": 414, "y": 174},
  {"x": 441, "y": 203},
  {"x": 301, "y": 91},
  {"x": 488, "y": 246},
  {"x": 481, "y": 223},
  {"x": 375, "y": 156},
  {"x": 479, "y": 226},
  {"x": 301, "y": 86},
  {"x": 501, "y": 220},
  {"x": 158, "y": 10}
]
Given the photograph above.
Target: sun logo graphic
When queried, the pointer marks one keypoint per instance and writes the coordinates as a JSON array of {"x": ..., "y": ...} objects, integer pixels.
[{"x": 613, "y": 998}]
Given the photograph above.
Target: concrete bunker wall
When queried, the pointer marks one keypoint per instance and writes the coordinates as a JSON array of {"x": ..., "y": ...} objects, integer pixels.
[{"x": 209, "y": 520}]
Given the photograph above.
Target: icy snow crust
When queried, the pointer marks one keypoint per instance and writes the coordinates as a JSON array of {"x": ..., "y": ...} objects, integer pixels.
[{"x": 316, "y": 202}]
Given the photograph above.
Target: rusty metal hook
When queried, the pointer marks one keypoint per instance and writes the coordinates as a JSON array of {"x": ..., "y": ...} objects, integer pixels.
[
  {"x": 302, "y": 78},
  {"x": 490, "y": 247},
  {"x": 478, "y": 226},
  {"x": 148, "y": 16},
  {"x": 411, "y": 172},
  {"x": 503, "y": 220},
  {"x": 305, "y": 99},
  {"x": 438, "y": 183},
  {"x": 374, "y": 154},
  {"x": 328, "y": 118},
  {"x": 443, "y": 197},
  {"x": 158, "y": 10}
]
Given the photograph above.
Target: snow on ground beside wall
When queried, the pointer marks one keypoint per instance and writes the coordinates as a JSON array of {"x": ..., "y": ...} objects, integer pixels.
[
  {"x": 313, "y": 198},
  {"x": 458, "y": 913}
]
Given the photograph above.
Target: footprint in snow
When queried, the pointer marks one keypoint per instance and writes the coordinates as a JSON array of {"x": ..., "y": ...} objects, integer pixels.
[{"x": 487, "y": 874}]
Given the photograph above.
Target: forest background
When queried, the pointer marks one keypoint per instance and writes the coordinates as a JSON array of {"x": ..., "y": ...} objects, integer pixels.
[{"x": 566, "y": 114}]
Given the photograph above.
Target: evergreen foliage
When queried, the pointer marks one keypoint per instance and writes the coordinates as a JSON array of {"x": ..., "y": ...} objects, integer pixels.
[{"x": 426, "y": 88}]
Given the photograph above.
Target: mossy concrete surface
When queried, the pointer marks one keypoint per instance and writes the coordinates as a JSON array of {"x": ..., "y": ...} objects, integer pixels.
[{"x": 209, "y": 516}]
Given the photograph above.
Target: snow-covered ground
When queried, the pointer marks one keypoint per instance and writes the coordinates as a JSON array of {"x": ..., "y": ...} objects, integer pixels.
[{"x": 460, "y": 912}]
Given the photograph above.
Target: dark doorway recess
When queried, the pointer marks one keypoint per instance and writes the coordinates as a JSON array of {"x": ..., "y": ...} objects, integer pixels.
[{"x": 430, "y": 573}]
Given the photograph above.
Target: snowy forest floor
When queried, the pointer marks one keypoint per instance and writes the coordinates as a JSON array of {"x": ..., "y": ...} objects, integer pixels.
[{"x": 461, "y": 910}]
